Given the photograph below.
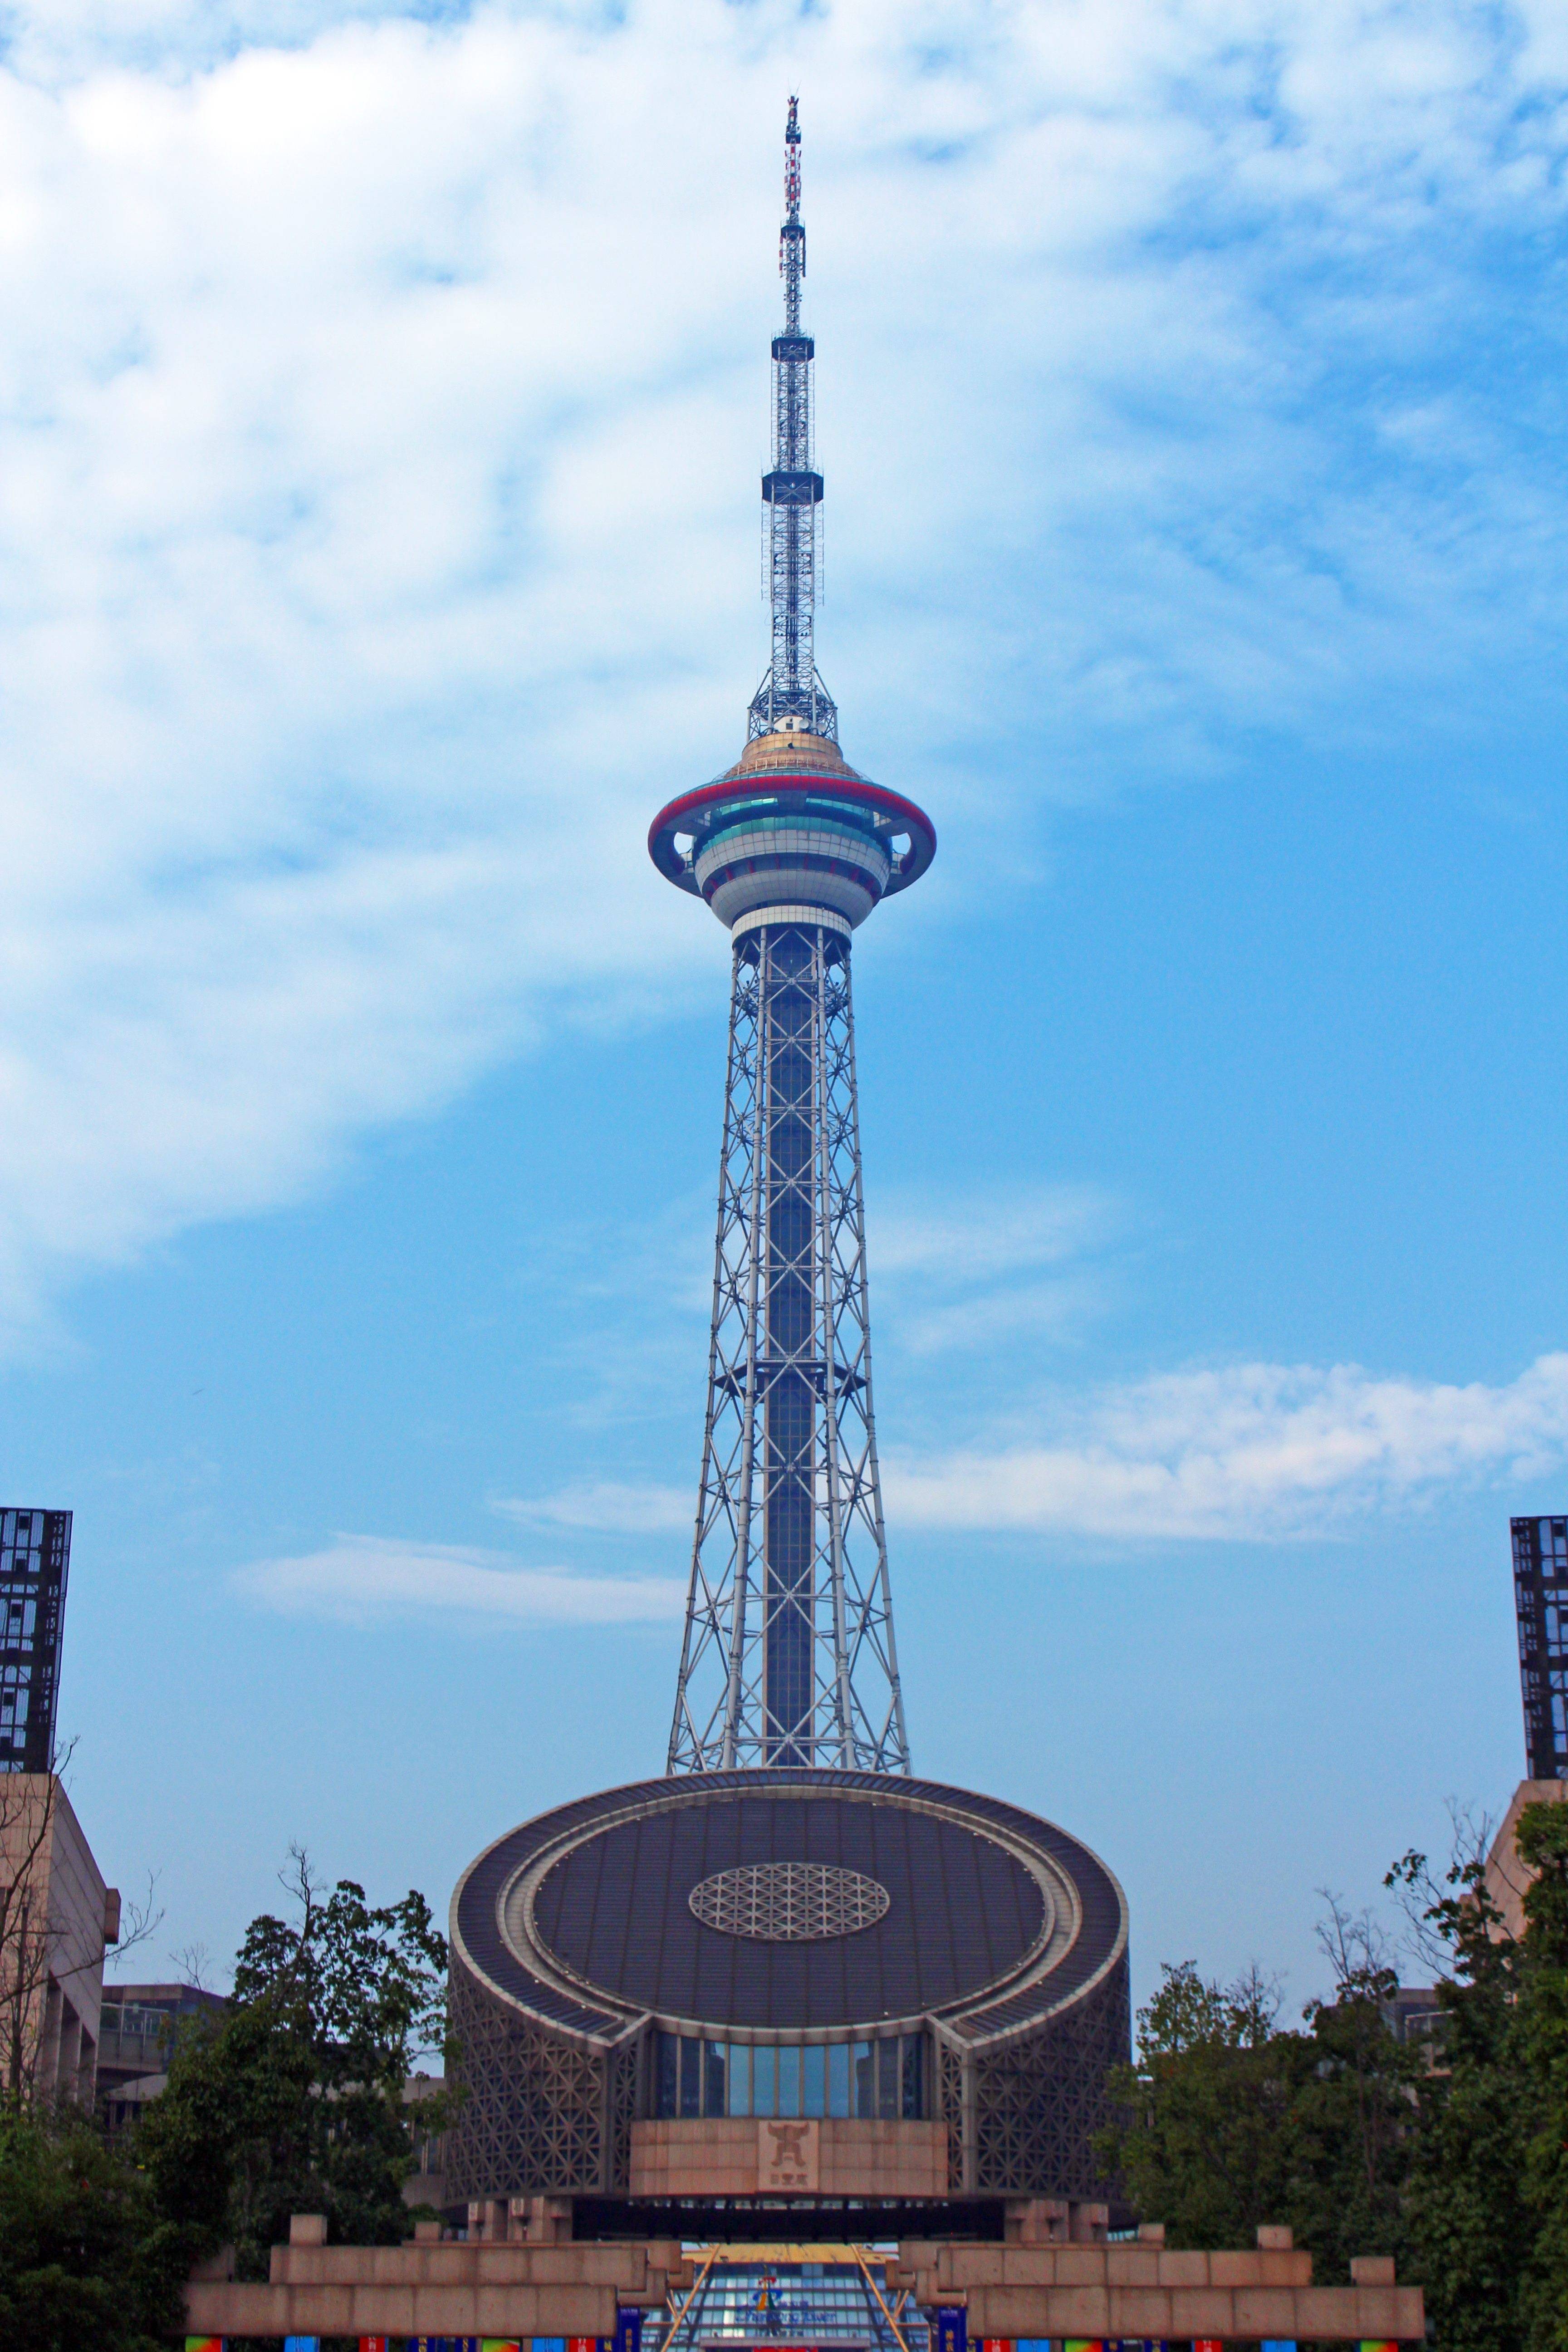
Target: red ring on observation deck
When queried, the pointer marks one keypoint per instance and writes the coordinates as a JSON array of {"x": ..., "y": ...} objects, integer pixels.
[{"x": 677, "y": 817}]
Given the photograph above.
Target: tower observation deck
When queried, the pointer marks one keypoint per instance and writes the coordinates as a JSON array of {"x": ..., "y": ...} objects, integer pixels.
[{"x": 789, "y": 1657}]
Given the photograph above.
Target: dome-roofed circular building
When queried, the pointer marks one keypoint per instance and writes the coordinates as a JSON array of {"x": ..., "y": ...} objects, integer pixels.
[{"x": 647, "y": 1983}]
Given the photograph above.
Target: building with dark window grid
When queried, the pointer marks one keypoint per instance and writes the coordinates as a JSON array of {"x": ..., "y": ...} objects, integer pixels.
[
  {"x": 713, "y": 1994},
  {"x": 34, "y": 1559},
  {"x": 1540, "y": 1604}
]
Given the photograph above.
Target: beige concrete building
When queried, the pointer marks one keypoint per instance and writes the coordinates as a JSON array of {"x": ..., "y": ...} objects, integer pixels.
[
  {"x": 1507, "y": 1877},
  {"x": 141, "y": 2025},
  {"x": 57, "y": 1917}
]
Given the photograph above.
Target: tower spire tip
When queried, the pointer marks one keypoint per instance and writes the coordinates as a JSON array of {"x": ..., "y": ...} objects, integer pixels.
[{"x": 792, "y": 693}]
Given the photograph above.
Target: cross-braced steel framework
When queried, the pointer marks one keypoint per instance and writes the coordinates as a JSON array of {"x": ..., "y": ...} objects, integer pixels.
[{"x": 789, "y": 1656}]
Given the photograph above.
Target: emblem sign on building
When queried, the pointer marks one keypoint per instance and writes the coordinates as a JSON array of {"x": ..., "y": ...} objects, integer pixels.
[{"x": 788, "y": 2157}]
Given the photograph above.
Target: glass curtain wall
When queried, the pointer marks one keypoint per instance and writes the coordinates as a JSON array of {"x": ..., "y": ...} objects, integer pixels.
[
  {"x": 790, "y": 1593},
  {"x": 882, "y": 2079},
  {"x": 820, "y": 2304}
]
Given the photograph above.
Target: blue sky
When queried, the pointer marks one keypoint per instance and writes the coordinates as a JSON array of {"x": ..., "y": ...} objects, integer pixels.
[{"x": 382, "y": 399}]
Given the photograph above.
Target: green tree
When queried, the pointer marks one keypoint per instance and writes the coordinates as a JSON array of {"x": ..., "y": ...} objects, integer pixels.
[
  {"x": 1543, "y": 2030},
  {"x": 1472, "y": 2230},
  {"x": 85, "y": 2256},
  {"x": 294, "y": 2102},
  {"x": 1227, "y": 2121},
  {"x": 1203, "y": 2140},
  {"x": 1353, "y": 2120}
]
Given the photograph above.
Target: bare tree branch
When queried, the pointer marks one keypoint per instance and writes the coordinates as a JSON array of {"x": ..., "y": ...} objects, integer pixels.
[
  {"x": 190, "y": 1963},
  {"x": 1354, "y": 1944},
  {"x": 138, "y": 1923},
  {"x": 1255, "y": 1997},
  {"x": 1426, "y": 1904}
]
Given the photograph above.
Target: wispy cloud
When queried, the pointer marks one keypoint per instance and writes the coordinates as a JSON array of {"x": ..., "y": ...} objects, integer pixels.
[
  {"x": 967, "y": 1270},
  {"x": 359, "y": 1579},
  {"x": 341, "y": 346},
  {"x": 1253, "y": 1451},
  {"x": 981, "y": 1235},
  {"x": 605, "y": 1509}
]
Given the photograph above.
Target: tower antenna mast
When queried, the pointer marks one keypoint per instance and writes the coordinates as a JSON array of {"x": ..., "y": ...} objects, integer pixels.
[
  {"x": 792, "y": 495},
  {"x": 788, "y": 1657}
]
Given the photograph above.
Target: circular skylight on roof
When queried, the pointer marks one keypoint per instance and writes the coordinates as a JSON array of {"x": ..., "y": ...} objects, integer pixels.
[{"x": 789, "y": 1902}]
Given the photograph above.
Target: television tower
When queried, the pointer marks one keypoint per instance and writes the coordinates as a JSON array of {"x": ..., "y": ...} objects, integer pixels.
[{"x": 789, "y": 1656}]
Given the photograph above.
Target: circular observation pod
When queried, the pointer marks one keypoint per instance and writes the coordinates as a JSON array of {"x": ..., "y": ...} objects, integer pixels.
[
  {"x": 792, "y": 824},
  {"x": 640, "y": 1981}
]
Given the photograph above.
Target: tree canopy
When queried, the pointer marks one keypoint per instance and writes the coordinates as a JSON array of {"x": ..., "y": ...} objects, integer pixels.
[
  {"x": 86, "y": 2256},
  {"x": 1451, "y": 2154},
  {"x": 1227, "y": 2121},
  {"x": 294, "y": 2102}
]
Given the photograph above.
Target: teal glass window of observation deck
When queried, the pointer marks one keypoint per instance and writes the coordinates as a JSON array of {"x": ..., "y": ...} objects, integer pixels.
[
  {"x": 801, "y": 813},
  {"x": 873, "y": 2078}
]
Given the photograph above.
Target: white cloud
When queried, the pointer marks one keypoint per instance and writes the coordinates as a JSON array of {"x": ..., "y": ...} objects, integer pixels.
[
  {"x": 379, "y": 412},
  {"x": 968, "y": 1270},
  {"x": 1252, "y": 1451},
  {"x": 606, "y": 1508},
  {"x": 359, "y": 1579},
  {"x": 989, "y": 1235}
]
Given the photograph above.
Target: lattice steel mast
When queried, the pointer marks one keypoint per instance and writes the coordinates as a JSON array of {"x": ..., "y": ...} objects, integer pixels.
[
  {"x": 789, "y": 1656},
  {"x": 792, "y": 494}
]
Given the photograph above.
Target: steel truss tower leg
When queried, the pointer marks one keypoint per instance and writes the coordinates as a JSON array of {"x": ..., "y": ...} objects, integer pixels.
[{"x": 789, "y": 1656}]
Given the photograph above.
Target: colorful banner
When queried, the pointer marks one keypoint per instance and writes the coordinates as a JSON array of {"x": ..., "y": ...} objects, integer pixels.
[
  {"x": 951, "y": 2328},
  {"x": 204, "y": 2344}
]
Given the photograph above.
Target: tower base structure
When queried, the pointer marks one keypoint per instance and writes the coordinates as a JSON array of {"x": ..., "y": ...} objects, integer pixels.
[{"x": 779, "y": 1992}]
